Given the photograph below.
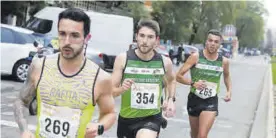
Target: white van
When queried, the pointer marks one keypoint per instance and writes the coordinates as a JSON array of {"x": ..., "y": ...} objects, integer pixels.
[{"x": 111, "y": 34}]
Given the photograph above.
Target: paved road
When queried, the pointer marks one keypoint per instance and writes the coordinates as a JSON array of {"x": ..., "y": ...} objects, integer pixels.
[{"x": 234, "y": 120}]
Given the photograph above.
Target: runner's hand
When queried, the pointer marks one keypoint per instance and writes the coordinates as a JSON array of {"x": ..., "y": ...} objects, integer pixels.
[
  {"x": 170, "y": 111},
  {"x": 165, "y": 105},
  {"x": 127, "y": 84},
  {"x": 200, "y": 84},
  {"x": 227, "y": 97},
  {"x": 27, "y": 134},
  {"x": 91, "y": 130}
]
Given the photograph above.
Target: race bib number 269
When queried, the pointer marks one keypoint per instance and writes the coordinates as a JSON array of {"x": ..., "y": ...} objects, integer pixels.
[{"x": 58, "y": 122}]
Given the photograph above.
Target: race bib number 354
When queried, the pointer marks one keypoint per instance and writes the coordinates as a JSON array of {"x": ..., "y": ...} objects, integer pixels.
[
  {"x": 58, "y": 122},
  {"x": 144, "y": 96},
  {"x": 209, "y": 91}
]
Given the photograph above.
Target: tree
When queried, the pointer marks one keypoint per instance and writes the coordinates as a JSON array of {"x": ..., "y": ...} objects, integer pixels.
[
  {"x": 137, "y": 11},
  {"x": 19, "y": 9},
  {"x": 269, "y": 42},
  {"x": 36, "y": 6},
  {"x": 213, "y": 15},
  {"x": 250, "y": 24},
  {"x": 175, "y": 18}
]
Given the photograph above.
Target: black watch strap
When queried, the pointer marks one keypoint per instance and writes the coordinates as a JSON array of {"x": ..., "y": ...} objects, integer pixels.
[
  {"x": 100, "y": 129},
  {"x": 173, "y": 98},
  {"x": 192, "y": 84}
]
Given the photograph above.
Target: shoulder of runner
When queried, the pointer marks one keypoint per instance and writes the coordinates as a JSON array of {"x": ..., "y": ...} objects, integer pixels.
[
  {"x": 225, "y": 62},
  {"x": 167, "y": 63},
  {"x": 103, "y": 83},
  {"x": 193, "y": 58},
  {"x": 121, "y": 60},
  {"x": 36, "y": 68}
]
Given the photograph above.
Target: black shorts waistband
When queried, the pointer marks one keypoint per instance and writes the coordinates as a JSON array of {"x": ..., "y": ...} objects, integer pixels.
[{"x": 133, "y": 120}]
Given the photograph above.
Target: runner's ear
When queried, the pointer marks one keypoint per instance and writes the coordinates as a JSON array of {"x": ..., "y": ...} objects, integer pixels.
[{"x": 87, "y": 38}]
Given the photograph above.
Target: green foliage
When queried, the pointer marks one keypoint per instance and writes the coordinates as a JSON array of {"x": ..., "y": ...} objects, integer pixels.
[
  {"x": 189, "y": 21},
  {"x": 175, "y": 19}
]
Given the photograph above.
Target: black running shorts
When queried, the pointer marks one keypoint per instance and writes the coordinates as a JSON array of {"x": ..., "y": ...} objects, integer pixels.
[
  {"x": 128, "y": 127},
  {"x": 196, "y": 105}
]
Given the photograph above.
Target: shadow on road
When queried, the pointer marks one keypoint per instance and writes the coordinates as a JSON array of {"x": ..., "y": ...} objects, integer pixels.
[{"x": 8, "y": 78}]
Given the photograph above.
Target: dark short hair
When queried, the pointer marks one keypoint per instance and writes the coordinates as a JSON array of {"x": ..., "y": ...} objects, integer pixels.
[
  {"x": 150, "y": 24},
  {"x": 215, "y": 32},
  {"x": 77, "y": 15}
]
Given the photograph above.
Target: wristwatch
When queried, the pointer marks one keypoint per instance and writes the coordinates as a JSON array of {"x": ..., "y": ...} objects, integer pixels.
[
  {"x": 192, "y": 84},
  {"x": 173, "y": 98},
  {"x": 100, "y": 129}
]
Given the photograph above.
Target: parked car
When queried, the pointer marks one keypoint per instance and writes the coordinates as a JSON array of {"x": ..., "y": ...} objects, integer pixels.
[
  {"x": 174, "y": 54},
  {"x": 162, "y": 50},
  {"x": 16, "y": 45},
  {"x": 111, "y": 34},
  {"x": 188, "y": 50},
  {"x": 224, "y": 52}
]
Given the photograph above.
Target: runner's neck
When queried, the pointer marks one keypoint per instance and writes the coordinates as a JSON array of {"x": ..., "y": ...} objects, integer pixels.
[
  {"x": 210, "y": 56},
  {"x": 71, "y": 66},
  {"x": 145, "y": 57}
]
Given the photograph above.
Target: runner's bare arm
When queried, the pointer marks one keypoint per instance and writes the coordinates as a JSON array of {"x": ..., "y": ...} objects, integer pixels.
[
  {"x": 105, "y": 100},
  {"x": 118, "y": 74},
  {"x": 226, "y": 75},
  {"x": 169, "y": 78},
  {"x": 191, "y": 61},
  {"x": 26, "y": 94},
  {"x": 165, "y": 88}
]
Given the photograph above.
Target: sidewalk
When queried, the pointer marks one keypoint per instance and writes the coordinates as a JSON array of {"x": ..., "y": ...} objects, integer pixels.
[
  {"x": 264, "y": 121},
  {"x": 274, "y": 90}
]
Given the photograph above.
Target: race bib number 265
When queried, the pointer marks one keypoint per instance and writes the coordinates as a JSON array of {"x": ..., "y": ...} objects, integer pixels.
[{"x": 207, "y": 92}]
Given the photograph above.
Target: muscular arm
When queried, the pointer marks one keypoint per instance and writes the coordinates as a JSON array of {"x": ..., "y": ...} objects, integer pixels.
[
  {"x": 192, "y": 60},
  {"x": 169, "y": 78},
  {"x": 118, "y": 74},
  {"x": 105, "y": 100},
  {"x": 27, "y": 93},
  {"x": 165, "y": 88},
  {"x": 226, "y": 75}
]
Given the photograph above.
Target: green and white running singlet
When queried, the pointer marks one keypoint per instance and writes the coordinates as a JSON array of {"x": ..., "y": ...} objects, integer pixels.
[
  {"x": 211, "y": 72},
  {"x": 144, "y": 97}
]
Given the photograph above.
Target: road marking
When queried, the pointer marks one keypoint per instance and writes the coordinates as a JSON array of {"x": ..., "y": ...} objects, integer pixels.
[
  {"x": 9, "y": 105},
  {"x": 13, "y": 124},
  {"x": 217, "y": 123},
  {"x": 11, "y": 97},
  {"x": 7, "y": 113},
  {"x": 178, "y": 120}
]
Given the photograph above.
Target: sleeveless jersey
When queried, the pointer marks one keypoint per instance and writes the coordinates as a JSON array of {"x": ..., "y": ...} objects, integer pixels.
[
  {"x": 65, "y": 103},
  {"x": 211, "y": 72},
  {"x": 144, "y": 97}
]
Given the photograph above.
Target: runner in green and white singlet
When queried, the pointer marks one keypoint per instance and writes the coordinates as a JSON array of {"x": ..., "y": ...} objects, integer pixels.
[
  {"x": 210, "y": 71},
  {"x": 206, "y": 68},
  {"x": 138, "y": 76}
]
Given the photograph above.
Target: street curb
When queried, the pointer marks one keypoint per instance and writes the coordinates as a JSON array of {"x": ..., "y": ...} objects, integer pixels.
[
  {"x": 270, "y": 114},
  {"x": 263, "y": 123}
]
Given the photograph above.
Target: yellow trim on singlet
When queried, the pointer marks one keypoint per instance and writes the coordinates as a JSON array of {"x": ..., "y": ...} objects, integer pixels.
[{"x": 81, "y": 86}]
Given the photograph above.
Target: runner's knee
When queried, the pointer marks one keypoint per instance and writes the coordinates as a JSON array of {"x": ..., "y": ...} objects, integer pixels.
[
  {"x": 201, "y": 135},
  {"x": 146, "y": 133}
]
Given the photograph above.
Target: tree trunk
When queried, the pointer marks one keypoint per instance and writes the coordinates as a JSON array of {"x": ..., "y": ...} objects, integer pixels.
[{"x": 192, "y": 38}]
